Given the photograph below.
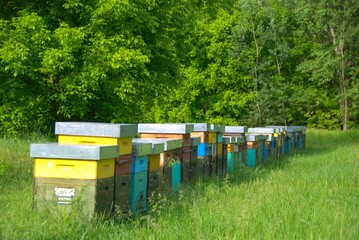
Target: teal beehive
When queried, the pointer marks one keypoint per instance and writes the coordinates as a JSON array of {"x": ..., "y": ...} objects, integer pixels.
[
  {"x": 138, "y": 192},
  {"x": 176, "y": 176},
  {"x": 230, "y": 162},
  {"x": 251, "y": 157},
  {"x": 240, "y": 160}
]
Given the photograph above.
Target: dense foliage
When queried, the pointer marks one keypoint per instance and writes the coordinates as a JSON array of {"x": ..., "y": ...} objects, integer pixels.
[{"x": 250, "y": 62}]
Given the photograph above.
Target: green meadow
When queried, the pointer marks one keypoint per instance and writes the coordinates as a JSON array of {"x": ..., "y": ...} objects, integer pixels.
[{"x": 311, "y": 194}]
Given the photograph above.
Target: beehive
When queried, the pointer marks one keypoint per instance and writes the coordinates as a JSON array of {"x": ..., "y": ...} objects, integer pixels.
[
  {"x": 138, "y": 192},
  {"x": 271, "y": 144},
  {"x": 77, "y": 177},
  {"x": 172, "y": 131},
  {"x": 271, "y": 135},
  {"x": 97, "y": 133},
  {"x": 239, "y": 132},
  {"x": 281, "y": 143},
  {"x": 223, "y": 166},
  {"x": 153, "y": 182},
  {"x": 195, "y": 141},
  {"x": 172, "y": 175},
  {"x": 123, "y": 165},
  {"x": 219, "y": 129},
  {"x": 206, "y": 157},
  {"x": 239, "y": 161},
  {"x": 235, "y": 130},
  {"x": 166, "y": 158},
  {"x": 254, "y": 151},
  {"x": 139, "y": 176},
  {"x": 140, "y": 154},
  {"x": 169, "y": 145},
  {"x": 296, "y": 135},
  {"x": 155, "y": 172},
  {"x": 230, "y": 143},
  {"x": 301, "y": 136},
  {"x": 122, "y": 193},
  {"x": 158, "y": 147}
]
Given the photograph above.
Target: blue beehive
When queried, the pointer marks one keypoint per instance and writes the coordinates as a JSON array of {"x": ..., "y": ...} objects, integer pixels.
[
  {"x": 284, "y": 146},
  {"x": 203, "y": 150},
  {"x": 139, "y": 164},
  {"x": 263, "y": 150},
  {"x": 138, "y": 179},
  {"x": 273, "y": 153}
]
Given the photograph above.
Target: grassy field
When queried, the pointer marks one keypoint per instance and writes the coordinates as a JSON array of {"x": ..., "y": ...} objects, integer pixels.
[{"x": 313, "y": 194}]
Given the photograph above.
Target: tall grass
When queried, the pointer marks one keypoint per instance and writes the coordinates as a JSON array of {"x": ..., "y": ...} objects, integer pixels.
[{"x": 313, "y": 194}]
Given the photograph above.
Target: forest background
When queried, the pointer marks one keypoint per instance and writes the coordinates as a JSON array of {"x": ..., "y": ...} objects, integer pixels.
[{"x": 234, "y": 62}]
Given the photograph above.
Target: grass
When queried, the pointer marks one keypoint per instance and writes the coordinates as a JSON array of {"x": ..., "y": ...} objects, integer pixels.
[{"x": 313, "y": 194}]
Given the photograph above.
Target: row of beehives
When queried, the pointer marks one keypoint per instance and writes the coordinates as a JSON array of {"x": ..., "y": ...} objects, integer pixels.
[{"x": 102, "y": 167}]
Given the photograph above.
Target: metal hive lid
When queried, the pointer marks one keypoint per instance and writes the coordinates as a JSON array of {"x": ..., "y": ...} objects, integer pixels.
[
  {"x": 218, "y": 128},
  {"x": 201, "y": 127},
  {"x": 262, "y": 130},
  {"x": 169, "y": 144},
  {"x": 254, "y": 137},
  {"x": 280, "y": 128},
  {"x": 141, "y": 149},
  {"x": 235, "y": 129},
  {"x": 221, "y": 128},
  {"x": 174, "y": 128},
  {"x": 294, "y": 129},
  {"x": 73, "y": 151},
  {"x": 157, "y": 147},
  {"x": 96, "y": 129}
]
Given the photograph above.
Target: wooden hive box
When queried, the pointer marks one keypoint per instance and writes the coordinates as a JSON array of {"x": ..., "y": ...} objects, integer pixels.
[
  {"x": 97, "y": 133},
  {"x": 138, "y": 192},
  {"x": 75, "y": 177},
  {"x": 195, "y": 141},
  {"x": 171, "y": 131}
]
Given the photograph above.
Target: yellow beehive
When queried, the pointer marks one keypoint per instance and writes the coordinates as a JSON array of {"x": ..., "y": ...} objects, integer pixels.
[
  {"x": 55, "y": 160},
  {"x": 73, "y": 168},
  {"x": 97, "y": 134},
  {"x": 212, "y": 137},
  {"x": 154, "y": 162},
  {"x": 230, "y": 148},
  {"x": 125, "y": 144}
]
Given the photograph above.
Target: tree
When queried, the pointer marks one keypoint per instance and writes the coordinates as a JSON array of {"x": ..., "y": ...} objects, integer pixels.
[
  {"x": 333, "y": 26},
  {"x": 212, "y": 89},
  {"x": 87, "y": 60}
]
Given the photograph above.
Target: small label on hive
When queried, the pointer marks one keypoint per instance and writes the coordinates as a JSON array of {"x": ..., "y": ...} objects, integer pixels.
[{"x": 64, "y": 195}]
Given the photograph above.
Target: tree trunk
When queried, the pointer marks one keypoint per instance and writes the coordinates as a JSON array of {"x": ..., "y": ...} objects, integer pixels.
[
  {"x": 259, "y": 120},
  {"x": 346, "y": 115},
  {"x": 343, "y": 82}
]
